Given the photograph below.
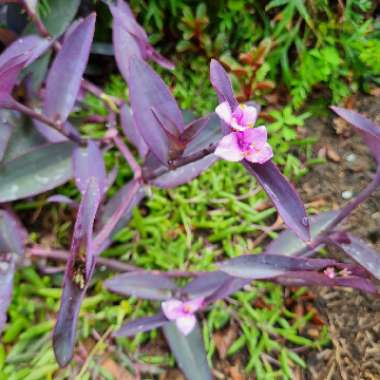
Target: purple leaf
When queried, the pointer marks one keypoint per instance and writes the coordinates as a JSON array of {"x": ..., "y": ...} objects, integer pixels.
[
  {"x": 142, "y": 285},
  {"x": 283, "y": 195},
  {"x": 189, "y": 352},
  {"x": 131, "y": 131},
  {"x": 88, "y": 163},
  {"x": 141, "y": 325},
  {"x": 51, "y": 134},
  {"x": 113, "y": 203},
  {"x": 369, "y": 131},
  {"x": 361, "y": 252},
  {"x": 12, "y": 248},
  {"x": 205, "y": 284},
  {"x": 65, "y": 75},
  {"x": 79, "y": 269},
  {"x": 288, "y": 243},
  {"x": 149, "y": 96},
  {"x": 230, "y": 286},
  {"x": 320, "y": 279},
  {"x": 264, "y": 266},
  {"x": 62, "y": 199},
  {"x": 222, "y": 84},
  {"x": 35, "y": 172},
  {"x": 130, "y": 39}
]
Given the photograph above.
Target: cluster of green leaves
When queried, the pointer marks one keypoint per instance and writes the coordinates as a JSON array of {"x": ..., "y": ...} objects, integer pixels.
[{"x": 319, "y": 43}]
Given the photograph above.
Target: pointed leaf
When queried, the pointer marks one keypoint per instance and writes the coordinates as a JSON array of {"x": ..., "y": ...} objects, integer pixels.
[
  {"x": 79, "y": 269},
  {"x": 283, "y": 195},
  {"x": 369, "y": 131},
  {"x": 361, "y": 252},
  {"x": 131, "y": 131},
  {"x": 142, "y": 285},
  {"x": 148, "y": 92},
  {"x": 35, "y": 172},
  {"x": 141, "y": 325},
  {"x": 65, "y": 75},
  {"x": 264, "y": 266},
  {"x": 88, "y": 163},
  {"x": 288, "y": 243},
  {"x": 189, "y": 352}
]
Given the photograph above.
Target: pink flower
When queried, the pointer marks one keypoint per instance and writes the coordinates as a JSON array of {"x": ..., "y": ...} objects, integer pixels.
[
  {"x": 240, "y": 119},
  {"x": 330, "y": 272},
  {"x": 182, "y": 313},
  {"x": 250, "y": 144}
]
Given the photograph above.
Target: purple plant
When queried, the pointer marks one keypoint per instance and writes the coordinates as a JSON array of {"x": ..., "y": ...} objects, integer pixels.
[{"x": 172, "y": 153}]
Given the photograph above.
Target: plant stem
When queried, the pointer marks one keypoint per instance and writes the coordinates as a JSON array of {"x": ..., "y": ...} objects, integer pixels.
[
  {"x": 128, "y": 156},
  {"x": 179, "y": 162},
  {"x": 44, "y": 119}
]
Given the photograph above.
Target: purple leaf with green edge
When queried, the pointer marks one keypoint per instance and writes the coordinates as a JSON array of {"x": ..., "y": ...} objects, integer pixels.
[
  {"x": 188, "y": 351},
  {"x": 12, "y": 248},
  {"x": 142, "y": 285},
  {"x": 64, "y": 78},
  {"x": 289, "y": 244},
  {"x": 148, "y": 91},
  {"x": 126, "y": 28},
  {"x": 141, "y": 325},
  {"x": 360, "y": 251},
  {"x": 369, "y": 131},
  {"x": 283, "y": 195},
  {"x": 88, "y": 163},
  {"x": 114, "y": 202},
  {"x": 79, "y": 269},
  {"x": 264, "y": 266},
  {"x": 35, "y": 172},
  {"x": 131, "y": 131},
  {"x": 320, "y": 279},
  {"x": 222, "y": 84}
]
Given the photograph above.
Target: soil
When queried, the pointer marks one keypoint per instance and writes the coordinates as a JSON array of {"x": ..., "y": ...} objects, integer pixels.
[{"x": 353, "y": 318}]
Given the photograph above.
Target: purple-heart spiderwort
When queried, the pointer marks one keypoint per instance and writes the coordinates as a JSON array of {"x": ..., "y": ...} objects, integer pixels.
[
  {"x": 250, "y": 144},
  {"x": 182, "y": 313}
]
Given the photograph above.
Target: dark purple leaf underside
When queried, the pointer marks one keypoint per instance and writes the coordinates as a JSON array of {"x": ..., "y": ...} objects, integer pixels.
[
  {"x": 78, "y": 273},
  {"x": 283, "y": 195},
  {"x": 142, "y": 285},
  {"x": 65, "y": 75},
  {"x": 369, "y": 130},
  {"x": 362, "y": 253},
  {"x": 130, "y": 130},
  {"x": 288, "y": 243},
  {"x": 189, "y": 352},
  {"x": 88, "y": 163},
  {"x": 141, "y": 325},
  {"x": 320, "y": 279},
  {"x": 147, "y": 93},
  {"x": 264, "y": 266}
]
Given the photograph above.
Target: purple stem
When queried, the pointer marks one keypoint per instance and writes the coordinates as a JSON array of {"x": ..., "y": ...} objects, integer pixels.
[
  {"x": 128, "y": 156},
  {"x": 44, "y": 119}
]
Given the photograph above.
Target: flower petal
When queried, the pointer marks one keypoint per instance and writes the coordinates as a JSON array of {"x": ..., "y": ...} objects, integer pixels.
[
  {"x": 186, "y": 323},
  {"x": 172, "y": 309},
  {"x": 229, "y": 149},
  {"x": 236, "y": 126},
  {"x": 193, "y": 305},
  {"x": 260, "y": 156},
  {"x": 223, "y": 110},
  {"x": 250, "y": 115},
  {"x": 257, "y": 137}
]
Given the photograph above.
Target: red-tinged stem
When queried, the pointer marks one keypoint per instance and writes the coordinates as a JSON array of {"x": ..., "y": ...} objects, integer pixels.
[
  {"x": 44, "y": 119},
  {"x": 128, "y": 156},
  {"x": 115, "y": 265},
  {"x": 106, "y": 231}
]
